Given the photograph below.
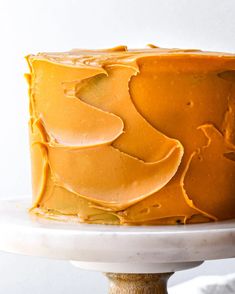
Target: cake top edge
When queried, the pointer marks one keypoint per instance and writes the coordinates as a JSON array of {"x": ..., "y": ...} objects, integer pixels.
[
  {"x": 125, "y": 51},
  {"x": 123, "y": 56}
]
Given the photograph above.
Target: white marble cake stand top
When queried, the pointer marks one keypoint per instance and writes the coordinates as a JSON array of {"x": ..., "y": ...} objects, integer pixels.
[{"x": 136, "y": 249}]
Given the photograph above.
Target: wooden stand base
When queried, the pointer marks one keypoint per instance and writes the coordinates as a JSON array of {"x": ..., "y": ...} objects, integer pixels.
[{"x": 138, "y": 283}]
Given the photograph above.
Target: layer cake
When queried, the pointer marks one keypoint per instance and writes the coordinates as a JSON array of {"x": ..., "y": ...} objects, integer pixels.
[{"x": 133, "y": 137}]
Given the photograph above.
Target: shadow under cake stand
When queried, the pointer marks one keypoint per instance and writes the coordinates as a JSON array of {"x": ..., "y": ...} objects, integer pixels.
[{"x": 136, "y": 259}]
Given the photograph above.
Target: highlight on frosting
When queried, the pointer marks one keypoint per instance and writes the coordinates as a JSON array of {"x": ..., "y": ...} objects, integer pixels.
[{"x": 133, "y": 137}]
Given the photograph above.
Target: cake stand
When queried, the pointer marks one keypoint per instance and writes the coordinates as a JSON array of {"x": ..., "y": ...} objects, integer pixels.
[{"x": 135, "y": 259}]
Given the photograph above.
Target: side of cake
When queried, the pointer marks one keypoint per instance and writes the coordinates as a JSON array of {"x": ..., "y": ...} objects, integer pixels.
[{"x": 133, "y": 136}]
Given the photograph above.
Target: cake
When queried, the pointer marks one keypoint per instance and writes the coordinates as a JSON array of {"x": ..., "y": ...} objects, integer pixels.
[{"x": 133, "y": 137}]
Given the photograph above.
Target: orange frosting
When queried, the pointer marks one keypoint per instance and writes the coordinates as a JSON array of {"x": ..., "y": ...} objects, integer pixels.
[{"x": 124, "y": 136}]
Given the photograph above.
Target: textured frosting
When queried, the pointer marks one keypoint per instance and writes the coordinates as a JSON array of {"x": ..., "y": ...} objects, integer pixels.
[{"x": 133, "y": 136}]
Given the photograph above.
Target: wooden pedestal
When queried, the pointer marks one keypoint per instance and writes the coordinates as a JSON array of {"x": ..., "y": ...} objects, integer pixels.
[{"x": 138, "y": 283}]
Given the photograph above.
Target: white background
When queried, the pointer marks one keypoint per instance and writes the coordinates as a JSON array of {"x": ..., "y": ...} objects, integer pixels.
[{"x": 33, "y": 26}]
